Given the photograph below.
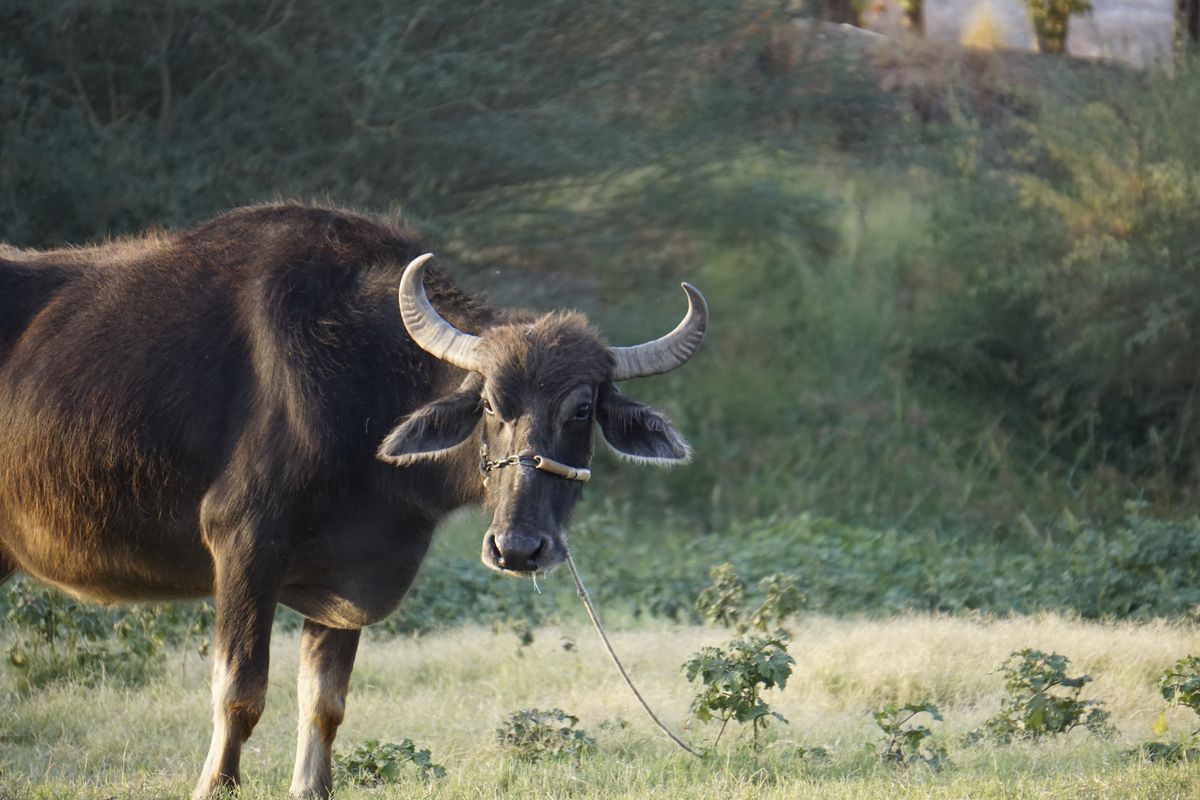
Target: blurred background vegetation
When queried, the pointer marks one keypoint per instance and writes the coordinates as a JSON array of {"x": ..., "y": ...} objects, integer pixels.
[{"x": 952, "y": 362}]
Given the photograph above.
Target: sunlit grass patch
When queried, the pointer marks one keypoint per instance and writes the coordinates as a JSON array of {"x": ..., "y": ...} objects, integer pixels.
[{"x": 450, "y": 691}]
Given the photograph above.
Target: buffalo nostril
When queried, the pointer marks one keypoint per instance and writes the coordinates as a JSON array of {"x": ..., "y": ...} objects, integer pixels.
[
  {"x": 533, "y": 557},
  {"x": 515, "y": 552},
  {"x": 493, "y": 551}
]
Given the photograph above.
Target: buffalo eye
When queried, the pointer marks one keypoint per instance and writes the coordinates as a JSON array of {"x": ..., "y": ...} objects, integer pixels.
[
  {"x": 583, "y": 412},
  {"x": 487, "y": 406}
]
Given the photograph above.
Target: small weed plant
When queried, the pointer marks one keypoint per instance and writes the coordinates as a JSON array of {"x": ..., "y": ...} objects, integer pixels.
[
  {"x": 374, "y": 763},
  {"x": 532, "y": 735},
  {"x": 1179, "y": 686},
  {"x": 1042, "y": 700},
  {"x": 725, "y": 603},
  {"x": 905, "y": 745},
  {"x": 734, "y": 679},
  {"x": 1166, "y": 752},
  {"x": 812, "y": 755}
]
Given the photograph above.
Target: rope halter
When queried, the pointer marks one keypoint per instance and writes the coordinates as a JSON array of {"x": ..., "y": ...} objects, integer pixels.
[{"x": 556, "y": 468}]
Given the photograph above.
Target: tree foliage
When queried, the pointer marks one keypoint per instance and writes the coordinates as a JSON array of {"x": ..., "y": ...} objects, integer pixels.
[
  {"x": 1070, "y": 269},
  {"x": 472, "y": 116},
  {"x": 1051, "y": 21},
  {"x": 961, "y": 301}
]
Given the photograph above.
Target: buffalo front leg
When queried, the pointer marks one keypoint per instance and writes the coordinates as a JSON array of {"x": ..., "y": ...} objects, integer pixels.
[
  {"x": 246, "y": 591},
  {"x": 326, "y": 660}
]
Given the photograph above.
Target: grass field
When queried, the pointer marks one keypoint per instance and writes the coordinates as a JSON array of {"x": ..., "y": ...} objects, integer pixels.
[{"x": 449, "y": 692}]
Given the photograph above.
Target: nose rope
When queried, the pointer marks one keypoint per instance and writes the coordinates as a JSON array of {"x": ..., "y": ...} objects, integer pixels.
[
  {"x": 591, "y": 610},
  {"x": 538, "y": 462}
]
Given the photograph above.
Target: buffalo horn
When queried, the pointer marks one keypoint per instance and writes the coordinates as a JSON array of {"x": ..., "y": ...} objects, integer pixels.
[
  {"x": 427, "y": 328},
  {"x": 669, "y": 352}
]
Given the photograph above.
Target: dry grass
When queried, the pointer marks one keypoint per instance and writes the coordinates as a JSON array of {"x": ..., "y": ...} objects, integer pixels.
[{"x": 450, "y": 691}]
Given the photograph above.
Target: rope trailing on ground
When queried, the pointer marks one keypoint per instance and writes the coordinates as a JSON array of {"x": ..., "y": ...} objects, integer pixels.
[{"x": 591, "y": 610}]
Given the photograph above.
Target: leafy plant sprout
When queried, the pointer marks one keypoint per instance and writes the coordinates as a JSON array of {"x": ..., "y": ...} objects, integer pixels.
[
  {"x": 1042, "y": 700},
  {"x": 734, "y": 679},
  {"x": 912, "y": 745},
  {"x": 374, "y": 763},
  {"x": 533, "y": 734},
  {"x": 724, "y": 601},
  {"x": 1180, "y": 685}
]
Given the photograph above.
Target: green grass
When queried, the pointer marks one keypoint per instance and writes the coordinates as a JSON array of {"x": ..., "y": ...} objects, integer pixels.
[{"x": 450, "y": 691}]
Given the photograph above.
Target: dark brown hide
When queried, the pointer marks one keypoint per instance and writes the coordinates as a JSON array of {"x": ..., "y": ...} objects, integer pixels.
[{"x": 200, "y": 413}]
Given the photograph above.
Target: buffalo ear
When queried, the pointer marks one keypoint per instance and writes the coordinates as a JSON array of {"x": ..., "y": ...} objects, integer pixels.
[
  {"x": 638, "y": 432},
  {"x": 432, "y": 430}
]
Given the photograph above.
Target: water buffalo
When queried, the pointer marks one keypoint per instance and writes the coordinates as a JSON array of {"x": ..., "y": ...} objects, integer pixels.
[{"x": 240, "y": 410}]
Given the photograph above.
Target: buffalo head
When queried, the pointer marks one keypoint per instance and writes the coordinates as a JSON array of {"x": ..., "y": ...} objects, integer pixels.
[{"x": 535, "y": 392}]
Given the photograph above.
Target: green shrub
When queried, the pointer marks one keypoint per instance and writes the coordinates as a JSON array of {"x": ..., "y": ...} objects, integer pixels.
[
  {"x": 532, "y": 734},
  {"x": 1067, "y": 270},
  {"x": 1179, "y": 685},
  {"x": 1143, "y": 567},
  {"x": 1042, "y": 700},
  {"x": 904, "y": 745},
  {"x": 155, "y": 108},
  {"x": 947, "y": 322},
  {"x": 459, "y": 590},
  {"x": 724, "y": 601},
  {"x": 1165, "y": 752},
  {"x": 374, "y": 763},
  {"x": 52, "y": 637},
  {"x": 812, "y": 755},
  {"x": 734, "y": 679}
]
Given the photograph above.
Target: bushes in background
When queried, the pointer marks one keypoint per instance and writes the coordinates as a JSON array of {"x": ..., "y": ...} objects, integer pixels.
[
  {"x": 1140, "y": 569},
  {"x": 1068, "y": 264},
  {"x": 964, "y": 304}
]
